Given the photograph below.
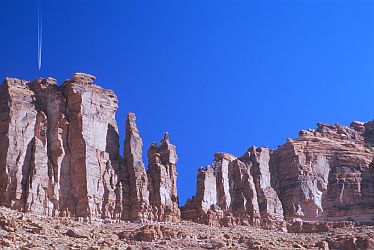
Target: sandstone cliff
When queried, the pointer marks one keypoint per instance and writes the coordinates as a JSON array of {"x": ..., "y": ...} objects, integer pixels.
[
  {"x": 59, "y": 156},
  {"x": 324, "y": 174},
  {"x": 236, "y": 191}
]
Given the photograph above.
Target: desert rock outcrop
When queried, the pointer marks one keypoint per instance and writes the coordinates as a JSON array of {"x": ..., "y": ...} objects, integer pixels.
[
  {"x": 324, "y": 174},
  {"x": 138, "y": 181},
  {"x": 236, "y": 191},
  {"x": 162, "y": 176},
  {"x": 60, "y": 154}
]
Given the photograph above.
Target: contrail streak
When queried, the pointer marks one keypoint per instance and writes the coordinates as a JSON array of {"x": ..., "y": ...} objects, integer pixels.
[{"x": 40, "y": 34}]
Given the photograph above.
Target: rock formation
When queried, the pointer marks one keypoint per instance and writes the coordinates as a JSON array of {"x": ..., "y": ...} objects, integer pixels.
[
  {"x": 325, "y": 174},
  {"x": 26, "y": 178},
  {"x": 60, "y": 144},
  {"x": 162, "y": 176},
  {"x": 60, "y": 154},
  {"x": 138, "y": 181},
  {"x": 60, "y": 157},
  {"x": 90, "y": 111},
  {"x": 270, "y": 206},
  {"x": 236, "y": 191}
]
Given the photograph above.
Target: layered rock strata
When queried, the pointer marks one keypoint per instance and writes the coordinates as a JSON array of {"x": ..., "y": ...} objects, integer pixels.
[{"x": 324, "y": 174}]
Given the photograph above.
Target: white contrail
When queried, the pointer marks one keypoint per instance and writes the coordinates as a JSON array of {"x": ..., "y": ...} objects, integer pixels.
[{"x": 40, "y": 34}]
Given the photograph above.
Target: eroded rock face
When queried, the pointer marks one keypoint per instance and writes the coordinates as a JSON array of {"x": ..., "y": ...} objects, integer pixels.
[
  {"x": 325, "y": 174},
  {"x": 91, "y": 115},
  {"x": 59, "y": 156},
  {"x": 138, "y": 180},
  {"x": 322, "y": 173},
  {"x": 24, "y": 167},
  {"x": 269, "y": 204},
  {"x": 162, "y": 176},
  {"x": 227, "y": 194},
  {"x": 60, "y": 151}
]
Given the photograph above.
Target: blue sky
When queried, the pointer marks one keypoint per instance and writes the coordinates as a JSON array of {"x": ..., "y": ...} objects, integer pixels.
[{"x": 218, "y": 75}]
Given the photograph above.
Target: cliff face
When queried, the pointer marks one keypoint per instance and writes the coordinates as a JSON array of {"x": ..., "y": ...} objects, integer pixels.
[
  {"x": 60, "y": 153},
  {"x": 325, "y": 174},
  {"x": 236, "y": 191},
  {"x": 59, "y": 156},
  {"x": 27, "y": 179}
]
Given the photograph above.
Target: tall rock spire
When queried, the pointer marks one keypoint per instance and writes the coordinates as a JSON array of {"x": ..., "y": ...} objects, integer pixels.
[
  {"x": 162, "y": 177},
  {"x": 138, "y": 181}
]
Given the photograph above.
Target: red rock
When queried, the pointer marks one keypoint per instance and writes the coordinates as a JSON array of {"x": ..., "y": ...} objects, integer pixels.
[
  {"x": 62, "y": 161},
  {"x": 90, "y": 111},
  {"x": 269, "y": 204},
  {"x": 138, "y": 180},
  {"x": 321, "y": 173},
  {"x": 162, "y": 176},
  {"x": 23, "y": 152},
  {"x": 60, "y": 157},
  {"x": 226, "y": 194}
]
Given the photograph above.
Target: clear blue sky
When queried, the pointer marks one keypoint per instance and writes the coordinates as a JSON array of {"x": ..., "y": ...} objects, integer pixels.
[{"x": 218, "y": 75}]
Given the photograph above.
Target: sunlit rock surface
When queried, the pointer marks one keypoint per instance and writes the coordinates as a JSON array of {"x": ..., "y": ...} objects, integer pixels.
[{"x": 60, "y": 156}]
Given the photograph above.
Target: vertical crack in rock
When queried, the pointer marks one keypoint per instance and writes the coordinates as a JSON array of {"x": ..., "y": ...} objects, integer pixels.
[
  {"x": 226, "y": 194},
  {"x": 245, "y": 205},
  {"x": 18, "y": 116},
  {"x": 269, "y": 204},
  {"x": 52, "y": 103},
  {"x": 91, "y": 111}
]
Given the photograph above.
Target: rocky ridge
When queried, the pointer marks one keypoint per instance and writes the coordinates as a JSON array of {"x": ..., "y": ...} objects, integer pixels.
[{"x": 60, "y": 158}]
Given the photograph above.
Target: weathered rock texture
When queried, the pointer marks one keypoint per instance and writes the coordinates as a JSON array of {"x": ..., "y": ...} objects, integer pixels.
[
  {"x": 236, "y": 191},
  {"x": 138, "y": 181},
  {"x": 162, "y": 176},
  {"x": 91, "y": 115},
  {"x": 60, "y": 146},
  {"x": 325, "y": 174},
  {"x": 60, "y": 154},
  {"x": 270, "y": 206}
]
